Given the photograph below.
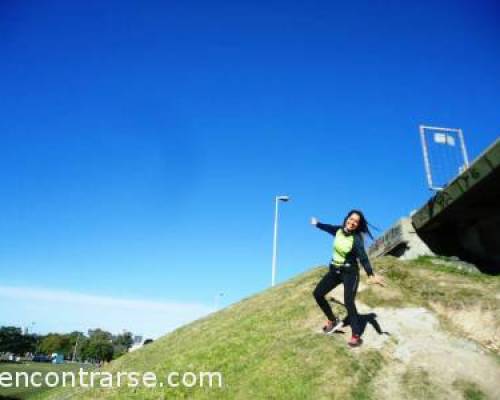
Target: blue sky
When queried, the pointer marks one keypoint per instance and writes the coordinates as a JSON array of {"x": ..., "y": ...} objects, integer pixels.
[{"x": 142, "y": 143}]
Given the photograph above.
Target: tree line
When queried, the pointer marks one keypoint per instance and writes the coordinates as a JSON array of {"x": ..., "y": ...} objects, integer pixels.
[{"x": 98, "y": 345}]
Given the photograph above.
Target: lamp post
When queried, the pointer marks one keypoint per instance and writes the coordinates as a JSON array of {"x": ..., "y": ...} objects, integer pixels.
[{"x": 275, "y": 238}]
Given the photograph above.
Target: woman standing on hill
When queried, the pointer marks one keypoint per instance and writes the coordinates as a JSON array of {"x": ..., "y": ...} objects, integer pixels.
[{"x": 348, "y": 247}]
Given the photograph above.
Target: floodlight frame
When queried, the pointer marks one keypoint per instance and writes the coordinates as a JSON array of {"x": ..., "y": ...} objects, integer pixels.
[{"x": 425, "y": 151}]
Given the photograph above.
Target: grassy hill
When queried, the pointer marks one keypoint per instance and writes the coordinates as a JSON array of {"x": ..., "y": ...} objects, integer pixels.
[{"x": 440, "y": 336}]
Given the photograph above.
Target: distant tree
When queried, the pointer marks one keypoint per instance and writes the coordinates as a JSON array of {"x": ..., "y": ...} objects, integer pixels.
[
  {"x": 100, "y": 334},
  {"x": 77, "y": 340},
  {"x": 56, "y": 343},
  {"x": 98, "y": 347},
  {"x": 9, "y": 335},
  {"x": 121, "y": 344},
  {"x": 13, "y": 341},
  {"x": 30, "y": 343},
  {"x": 125, "y": 339}
]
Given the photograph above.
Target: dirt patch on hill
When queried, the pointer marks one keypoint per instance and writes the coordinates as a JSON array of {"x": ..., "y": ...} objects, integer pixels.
[
  {"x": 476, "y": 323},
  {"x": 421, "y": 350},
  {"x": 424, "y": 359}
]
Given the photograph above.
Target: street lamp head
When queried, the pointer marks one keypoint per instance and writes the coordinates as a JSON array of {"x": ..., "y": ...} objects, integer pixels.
[{"x": 283, "y": 198}]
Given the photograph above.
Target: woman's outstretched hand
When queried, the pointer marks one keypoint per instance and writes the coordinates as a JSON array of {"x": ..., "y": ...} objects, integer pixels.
[
  {"x": 314, "y": 221},
  {"x": 376, "y": 280}
]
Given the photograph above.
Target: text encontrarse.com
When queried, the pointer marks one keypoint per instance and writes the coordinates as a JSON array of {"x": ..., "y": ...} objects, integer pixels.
[{"x": 103, "y": 379}]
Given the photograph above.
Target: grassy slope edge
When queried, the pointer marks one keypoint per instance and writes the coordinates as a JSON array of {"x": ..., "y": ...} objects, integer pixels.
[{"x": 268, "y": 345}]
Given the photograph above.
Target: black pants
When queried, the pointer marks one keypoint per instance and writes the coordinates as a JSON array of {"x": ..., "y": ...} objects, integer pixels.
[{"x": 350, "y": 278}]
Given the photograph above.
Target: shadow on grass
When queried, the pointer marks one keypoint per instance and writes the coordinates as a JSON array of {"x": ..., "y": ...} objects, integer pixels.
[{"x": 364, "y": 320}]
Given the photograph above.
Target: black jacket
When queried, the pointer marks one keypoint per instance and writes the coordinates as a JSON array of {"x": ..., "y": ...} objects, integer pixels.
[{"x": 358, "y": 247}]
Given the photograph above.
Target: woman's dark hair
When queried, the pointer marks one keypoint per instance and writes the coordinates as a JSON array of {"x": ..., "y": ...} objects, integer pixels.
[{"x": 363, "y": 223}]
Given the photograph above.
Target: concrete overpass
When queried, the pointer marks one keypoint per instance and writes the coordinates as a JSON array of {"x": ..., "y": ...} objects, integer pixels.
[
  {"x": 462, "y": 220},
  {"x": 400, "y": 240}
]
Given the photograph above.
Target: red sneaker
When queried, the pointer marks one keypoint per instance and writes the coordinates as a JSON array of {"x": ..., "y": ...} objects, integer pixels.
[{"x": 355, "y": 341}]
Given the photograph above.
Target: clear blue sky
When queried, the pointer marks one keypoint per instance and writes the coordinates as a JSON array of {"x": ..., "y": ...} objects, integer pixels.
[{"x": 142, "y": 143}]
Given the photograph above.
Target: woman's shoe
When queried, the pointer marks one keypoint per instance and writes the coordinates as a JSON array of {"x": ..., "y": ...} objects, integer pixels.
[
  {"x": 332, "y": 326},
  {"x": 355, "y": 341}
]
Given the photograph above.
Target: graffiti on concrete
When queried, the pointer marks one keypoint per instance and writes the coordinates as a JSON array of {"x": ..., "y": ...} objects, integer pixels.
[
  {"x": 468, "y": 178},
  {"x": 388, "y": 241}
]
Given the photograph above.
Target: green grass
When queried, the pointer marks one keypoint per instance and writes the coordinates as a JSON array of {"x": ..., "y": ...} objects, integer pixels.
[
  {"x": 26, "y": 393},
  {"x": 420, "y": 282},
  {"x": 470, "y": 390},
  {"x": 446, "y": 264},
  {"x": 268, "y": 345},
  {"x": 418, "y": 385}
]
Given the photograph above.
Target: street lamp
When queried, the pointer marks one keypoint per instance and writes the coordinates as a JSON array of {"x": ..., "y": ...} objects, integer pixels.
[{"x": 275, "y": 239}]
